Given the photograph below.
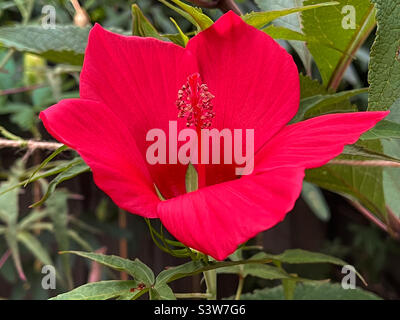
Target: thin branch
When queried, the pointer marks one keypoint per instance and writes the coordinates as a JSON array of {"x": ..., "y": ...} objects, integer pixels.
[
  {"x": 29, "y": 144},
  {"x": 19, "y": 90},
  {"x": 366, "y": 163}
]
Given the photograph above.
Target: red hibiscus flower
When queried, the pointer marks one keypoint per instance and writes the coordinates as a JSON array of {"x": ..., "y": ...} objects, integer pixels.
[{"x": 129, "y": 85}]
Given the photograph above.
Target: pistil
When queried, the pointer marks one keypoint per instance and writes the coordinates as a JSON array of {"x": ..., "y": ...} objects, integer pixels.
[{"x": 194, "y": 104}]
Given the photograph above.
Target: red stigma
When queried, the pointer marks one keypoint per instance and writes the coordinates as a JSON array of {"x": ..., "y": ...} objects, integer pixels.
[{"x": 194, "y": 103}]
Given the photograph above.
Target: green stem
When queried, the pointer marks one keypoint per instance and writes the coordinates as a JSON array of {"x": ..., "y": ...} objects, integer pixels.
[
  {"x": 192, "y": 295},
  {"x": 240, "y": 287},
  {"x": 210, "y": 277}
]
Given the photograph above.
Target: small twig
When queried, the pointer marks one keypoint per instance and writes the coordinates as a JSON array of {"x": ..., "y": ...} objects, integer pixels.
[
  {"x": 366, "y": 163},
  {"x": 19, "y": 90},
  {"x": 29, "y": 144},
  {"x": 223, "y": 5}
]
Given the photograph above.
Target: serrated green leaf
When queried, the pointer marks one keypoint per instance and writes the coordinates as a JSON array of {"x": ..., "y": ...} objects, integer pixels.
[
  {"x": 101, "y": 290},
  {"x": 337, "y": 45},
  {"x": 315, "y": 199},
  {"x": 137, "y": 269},
  {"x": 383, "y": 130},
  {"x": 64, "y": 44},
  {"x": 162, "y": 292},
  {"x": 366, "y": 151},
  {"x": 194, "y": 267},
  {"x": 260, "y": 19},
  {"x": 298, "y": 256},
  {"x": 326, "y": 103},
  {"x": 384, "y": 68},
  {"x": 262, "y": 271},
  {"x": 362, "y": 183},
  {"x": 312, "y": 291}
]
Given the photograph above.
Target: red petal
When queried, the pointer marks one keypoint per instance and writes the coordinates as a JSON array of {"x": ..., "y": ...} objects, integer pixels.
[
  {"x": 312, "y": 143},
  {"x": 216, "y": 219},
  {"x": 109, "y": 150},
  {"x": 138, "y": 79},
  {"x": 254, "y": 80}
]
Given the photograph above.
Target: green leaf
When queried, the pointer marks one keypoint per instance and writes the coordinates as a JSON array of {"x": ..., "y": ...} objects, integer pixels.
[
  {"x": 73, "y": 171},
  {"x": 337, "y": 45},
  {"x": 101, "y": 290},
  {"x": 191, "y": 179},
  {"x": 162, "y": 292},
  {"x": 312, "y": 291},
  {"x": 362, "y": 183},
  {"x": 12, "y": 242},
  {"x": 283, "y": 33},
  {"x": 366, "y": 151},
  {"x": 257, "y": 270},
  {"x": 383, "y": 130},
  {"x": 184, "y": 39},
  {"x": 64, "y": 44},
  {"x": 65, "y": 165},
  {"x": 8, "y": 203},
  {"x": 192, "y": 14},
  {"x": 292, "y": 23},
  {"x": 326, "y": 103},
  {"x": 315, "y": 199},
  {"x": 384, "y": 68},
  {"x": 137, "y": 269},
  {"x": 194, "y": 267},
  {"x": 57, "y": 209},
  {"x": 260, "y": 19},
  {"x": 141, "y": 26},
  {"x": 46, "y": 161},
  {"x": 35, "y": 247},
  {"x": 391, "y": 178},
  {"x": 31, "y": 218}
]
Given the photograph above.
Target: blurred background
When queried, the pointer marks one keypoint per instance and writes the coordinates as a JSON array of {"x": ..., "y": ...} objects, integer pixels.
[{"x": 79, "y": 216}]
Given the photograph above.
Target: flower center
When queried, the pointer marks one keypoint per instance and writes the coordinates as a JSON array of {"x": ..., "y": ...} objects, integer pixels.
[{"x": 194, "y": 103}]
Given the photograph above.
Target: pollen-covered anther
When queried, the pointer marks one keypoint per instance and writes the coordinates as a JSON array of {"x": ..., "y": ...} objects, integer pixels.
[{"x": 195, "y": 103}]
